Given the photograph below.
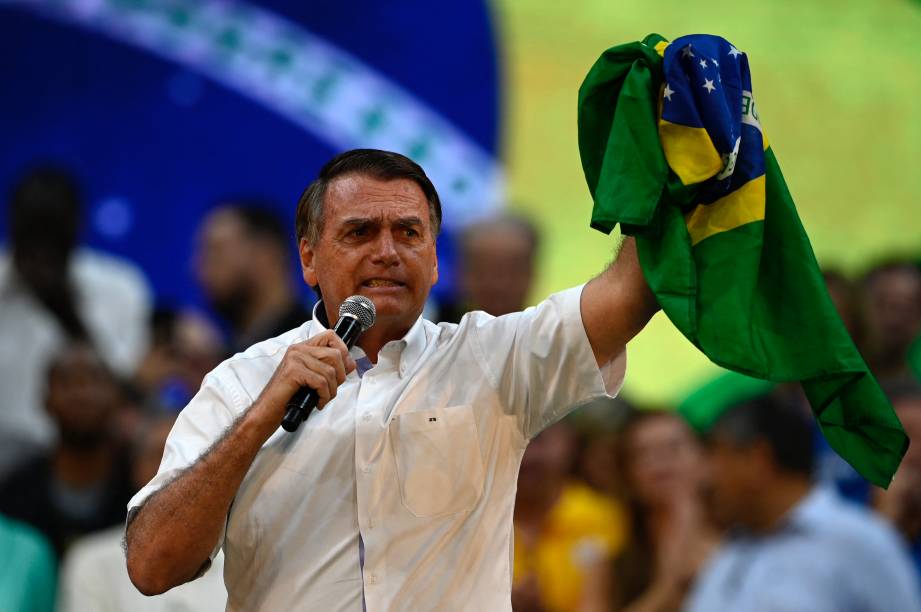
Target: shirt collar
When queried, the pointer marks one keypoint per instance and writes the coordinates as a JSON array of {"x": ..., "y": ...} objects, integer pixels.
[{"x": 408, "y": 349}]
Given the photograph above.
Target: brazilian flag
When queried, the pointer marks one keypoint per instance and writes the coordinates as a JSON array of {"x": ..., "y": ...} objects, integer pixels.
[{"x": 673, "y": 150}]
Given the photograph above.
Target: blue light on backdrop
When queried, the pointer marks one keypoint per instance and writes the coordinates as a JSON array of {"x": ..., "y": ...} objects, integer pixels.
[{"x": 162, "y": 108}]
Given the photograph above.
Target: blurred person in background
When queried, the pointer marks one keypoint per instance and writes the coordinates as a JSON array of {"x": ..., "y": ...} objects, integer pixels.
[
  {"x": 82, "y": 484},
  {"x": 900, "y": 504},
  {"x": 598, "y": 426},
  {"x": 185, "y": 346},
  {"x": 562, "y": 527},
  {"x": 53, "y": 292},
  {"x": 244, "y": 266},
  {"x": 93, "y": 575},
  {"x": 28, "y": 569},
  {"x": 497, "y": 266},
  {"x": 670, "y": 538},
  {"x": 892, "y": 294},
  {"x": 792, "y": 545}
]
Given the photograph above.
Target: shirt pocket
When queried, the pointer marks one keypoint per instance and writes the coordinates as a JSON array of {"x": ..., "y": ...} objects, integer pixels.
[{"x": 438, "y": 460}]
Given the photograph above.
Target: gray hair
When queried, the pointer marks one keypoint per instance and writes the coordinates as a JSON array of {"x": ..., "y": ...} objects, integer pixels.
[{"x": 383, "y": 165}]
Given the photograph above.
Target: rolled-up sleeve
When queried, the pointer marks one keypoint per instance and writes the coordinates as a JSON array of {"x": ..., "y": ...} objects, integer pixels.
[{"x": 541, "y": 362}]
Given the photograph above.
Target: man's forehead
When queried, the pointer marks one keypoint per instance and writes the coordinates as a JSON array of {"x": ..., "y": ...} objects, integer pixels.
[{"x": 355, "y": 195}]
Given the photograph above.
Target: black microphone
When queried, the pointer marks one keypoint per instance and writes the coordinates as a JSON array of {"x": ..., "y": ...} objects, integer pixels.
[{"x": 356, "y": 314}]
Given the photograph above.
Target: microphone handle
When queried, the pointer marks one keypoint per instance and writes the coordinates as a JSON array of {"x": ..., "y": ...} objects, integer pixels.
[{"x": 306, "y": 399}]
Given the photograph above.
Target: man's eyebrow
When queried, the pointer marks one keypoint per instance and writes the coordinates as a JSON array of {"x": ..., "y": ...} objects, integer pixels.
[
  {"x": 408, "y": 221},
  {"x": 359, "y": 221}
]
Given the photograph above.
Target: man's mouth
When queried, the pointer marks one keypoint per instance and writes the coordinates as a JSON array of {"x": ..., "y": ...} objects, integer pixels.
[{"x": 381, "y": 282}]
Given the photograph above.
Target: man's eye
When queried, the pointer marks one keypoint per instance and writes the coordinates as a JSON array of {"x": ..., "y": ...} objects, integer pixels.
[
  {"x": 359, "y": 231},
  {"x": 411, "y": 233}
]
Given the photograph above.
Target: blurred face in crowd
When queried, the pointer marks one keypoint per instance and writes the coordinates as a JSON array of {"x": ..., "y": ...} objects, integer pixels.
[
  {"x": 227, "y": 259},
  {"x": 497, "y": 268},
  {"x": 81, "y": 397},
  {"x": 547, "y": 459},
  {"x": 377, "y": 241},
  {"x": 908, "y": 409},
  {"x": 663, "y": 460},
  {"x": 894, "y": 310},
  {"x": 736, "y": 476},
  {"x": 148, "y": 451}
]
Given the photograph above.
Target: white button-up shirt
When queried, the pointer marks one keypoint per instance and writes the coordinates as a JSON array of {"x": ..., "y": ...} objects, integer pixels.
[{"x": 417, "y": 459}]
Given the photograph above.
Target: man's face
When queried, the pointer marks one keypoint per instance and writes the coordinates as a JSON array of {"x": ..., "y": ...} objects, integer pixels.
[
  {"x": 497, "y": 270},
  {"x": 223, "y": 261},
  {"x": 894, "y": 310},
  {"x": 81, "y": 397},
  {"x": 377, "y": 241},
  {"x": 733, "y": 482}
]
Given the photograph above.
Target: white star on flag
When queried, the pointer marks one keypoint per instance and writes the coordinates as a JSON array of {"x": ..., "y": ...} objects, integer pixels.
[
  {"x": 703, "y": 63},
  {"x": 715, "y": 63},
  {"x": 708, "y": 84},
  {"x": 686, "y": 52},
  {"x": 734, "y": 52},
  {"x": 667, "y": 93}
]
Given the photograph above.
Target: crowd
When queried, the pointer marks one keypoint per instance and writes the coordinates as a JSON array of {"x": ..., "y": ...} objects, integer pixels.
[{"x": 730, "y": 501}]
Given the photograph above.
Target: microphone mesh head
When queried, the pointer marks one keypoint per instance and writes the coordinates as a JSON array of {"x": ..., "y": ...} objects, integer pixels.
[{"x": 361, "y": 308}]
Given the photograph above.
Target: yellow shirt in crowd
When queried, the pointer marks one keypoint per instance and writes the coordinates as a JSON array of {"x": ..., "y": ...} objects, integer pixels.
[{"x": 583, "y": 528}]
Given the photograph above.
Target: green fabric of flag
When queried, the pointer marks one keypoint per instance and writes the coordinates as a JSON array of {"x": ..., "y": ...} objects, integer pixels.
[{"x": 750, "y": 297}]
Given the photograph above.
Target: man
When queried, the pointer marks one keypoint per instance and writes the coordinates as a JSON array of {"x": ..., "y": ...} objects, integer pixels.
[
  {"x": 93, "y": 576},
  {"x": 893, "y": 312},
  {"x": 496, "y": 266},
  {"x": 53, "y": 292},
  {"x": 900, "y": 504},
  {"x": 794, "y": 546},
  {"x": 398, "y": 494},
  {"x": 82, "y": 484},
  {"x": 244, "y": 267}
]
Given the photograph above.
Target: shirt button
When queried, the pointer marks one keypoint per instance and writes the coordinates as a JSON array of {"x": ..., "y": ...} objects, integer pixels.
[
  {"x": 366, "y": 469},
  {"x": 366, "y": 417},
  {"x": 372, "y": 579}
]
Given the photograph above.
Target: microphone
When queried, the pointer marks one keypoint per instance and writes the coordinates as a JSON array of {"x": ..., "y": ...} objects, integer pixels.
[{"x": 356, "y": 314}]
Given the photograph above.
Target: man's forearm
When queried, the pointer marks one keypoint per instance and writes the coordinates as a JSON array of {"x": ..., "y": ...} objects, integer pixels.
[
  {"x": 172, "y": 535},
  {"x": 617, "y": 304}
]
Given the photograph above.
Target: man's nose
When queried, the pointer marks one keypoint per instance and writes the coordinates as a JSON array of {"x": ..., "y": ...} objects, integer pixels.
[{"x": 385, "y": 252}]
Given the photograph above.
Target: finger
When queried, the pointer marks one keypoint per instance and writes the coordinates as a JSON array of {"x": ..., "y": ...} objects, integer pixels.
[
  {"x": 334, "y": 358},
  {"x": 313, "y": 373},
  {"x": 327, "y": 371},
  {"x": 324, "y": 338}
]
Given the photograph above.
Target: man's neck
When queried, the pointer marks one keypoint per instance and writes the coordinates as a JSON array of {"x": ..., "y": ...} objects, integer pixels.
[
  {"x": 264, "y": 304},
  {"x": 371, "y": 341},
  {"x": 79, "y": 467},
  {"x": 778, "y": 499}
]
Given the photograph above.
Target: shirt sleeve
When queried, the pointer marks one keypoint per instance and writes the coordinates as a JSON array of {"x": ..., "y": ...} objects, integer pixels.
[
  {"x": 202, "y": 423},
  {"x": 541, "y": 363}
]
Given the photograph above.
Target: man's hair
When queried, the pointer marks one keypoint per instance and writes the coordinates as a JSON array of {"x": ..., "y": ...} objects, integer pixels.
[
  {"x": 787, "y": 429},
  {"x": 900, "y": 265},
  {"x": 374, "y": 163},
  {"x": 902, "y": 388},
  {"x": 503, "y": 221},
  {"x": 259, "y": 220},
  {"x": 45, "y": 203}
]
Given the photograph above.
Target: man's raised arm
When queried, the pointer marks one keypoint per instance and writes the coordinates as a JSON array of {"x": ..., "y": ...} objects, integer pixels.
[{"x": 617, "y": 304}]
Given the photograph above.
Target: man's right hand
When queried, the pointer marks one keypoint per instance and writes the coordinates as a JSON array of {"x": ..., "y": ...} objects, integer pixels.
[{"x": 320, "y": 363}]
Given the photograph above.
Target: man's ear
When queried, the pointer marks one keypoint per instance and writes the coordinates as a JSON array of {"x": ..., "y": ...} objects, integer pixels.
[
  {"x": 308, "y": 271},
  {"x": 435, "y": 271}
]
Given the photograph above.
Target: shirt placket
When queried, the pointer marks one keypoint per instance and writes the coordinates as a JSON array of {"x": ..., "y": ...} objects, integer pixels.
[{"x": 374, "y": 392}]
